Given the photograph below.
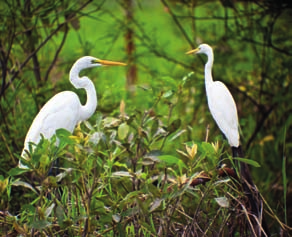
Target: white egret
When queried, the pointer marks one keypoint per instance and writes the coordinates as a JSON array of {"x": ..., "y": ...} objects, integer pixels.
[
  {"x": 64, "y": 110},
  {"x": 223, "y": 109},
  {"x": 220, "y": 100}
]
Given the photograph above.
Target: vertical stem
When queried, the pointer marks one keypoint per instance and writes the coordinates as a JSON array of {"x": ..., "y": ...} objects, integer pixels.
[
  {"x": 284, "y": 165},
  {"x": 130, "y": 46},
  {"x": 27, "y": 14}
]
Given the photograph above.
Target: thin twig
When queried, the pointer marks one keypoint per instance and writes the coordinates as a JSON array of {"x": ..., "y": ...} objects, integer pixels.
[
  {"x": 178, "y": 24},
  {"x": 57, "y": 53}
]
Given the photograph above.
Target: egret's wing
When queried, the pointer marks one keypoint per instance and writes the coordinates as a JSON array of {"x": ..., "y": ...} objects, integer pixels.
[
  {"x": 223, "y": 110},
  {"x": 61, "y": 111}
]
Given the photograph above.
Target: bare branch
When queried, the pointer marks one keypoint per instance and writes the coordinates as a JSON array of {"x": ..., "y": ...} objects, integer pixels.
[{"x": 57, "y": 53}]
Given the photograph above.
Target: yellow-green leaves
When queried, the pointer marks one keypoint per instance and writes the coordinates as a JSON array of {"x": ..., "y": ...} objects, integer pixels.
[
  {"x": 215, "y": 145},
  {"x": 3, "y": 184},
  {"x": 123, "y": 131},
  {"x": 172, "y": 160},
  {"x": 191, "y": 151}
]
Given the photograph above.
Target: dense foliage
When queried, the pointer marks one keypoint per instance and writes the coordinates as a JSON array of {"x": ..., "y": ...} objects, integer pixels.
[{"x": 146, "y": 163}]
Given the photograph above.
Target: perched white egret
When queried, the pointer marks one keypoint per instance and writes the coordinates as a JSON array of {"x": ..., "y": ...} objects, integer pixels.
[
  {"x": 64, "y": 110},
  {"x": 220, "y": 100},
  {"x": 223, "y": 109}
]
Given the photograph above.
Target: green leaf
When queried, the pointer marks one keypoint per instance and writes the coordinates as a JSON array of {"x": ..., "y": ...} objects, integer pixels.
[
  {"x": 17, "y": 171},
  {"x": 110, "y": 122},
  {"x": 156, "y": 203},
  {"x": 62, "y": 175},
  {"x": 248, "y": 161},
  {"x": 154, "y": 127},
  {"x": 208, "y": 148},
  {"x": 170, "y": 81},
  {"x": 64, "y": 136},
  {"x": 24, "y": 184},
  {"x": 151, "y": 157},
  {"x": 123, "y": 131},
  {"x": 178, "y": 134},
  {"x": 3, "y": 184},
  {"x": 96, "y": 137},
  {"x": 222, "y": 201},
  {"x": 122, "y": 174},
  {"x": 185, "y": 78},
  {"x": 167, "y": 94},
  {"x": 49, "y": 210},
  {"x": 172, "y": 160},
  {"x": 116, "y": 218},
  {"x": 130, "y": 196},
  {"x": 40, "y": 224},
  {"x": 169, "y": 159},
  {"x": 61, "y": 132},
  {"x": 120, "y": 164},
  {"x": 60, "y": 214},
  {"x": 88, "y": 125}
]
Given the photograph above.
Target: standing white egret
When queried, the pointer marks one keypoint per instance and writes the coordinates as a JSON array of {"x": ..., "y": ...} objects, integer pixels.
[
  {"x": 220, "y": 100},
  {"x": 64, "y": 110},
  {"x": 223, "y": 109}
]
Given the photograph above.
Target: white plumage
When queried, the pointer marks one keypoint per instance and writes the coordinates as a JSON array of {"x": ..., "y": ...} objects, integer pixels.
[
  {"x": 220, "y": 100},
  {"x": 224, "y": 112},
  {"x": 64, "y": 110}
]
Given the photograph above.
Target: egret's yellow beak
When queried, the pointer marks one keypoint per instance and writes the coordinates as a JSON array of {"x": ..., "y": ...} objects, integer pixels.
[
  {"x": 193, "y": 51},
  {"x": 110, "y": 63}
]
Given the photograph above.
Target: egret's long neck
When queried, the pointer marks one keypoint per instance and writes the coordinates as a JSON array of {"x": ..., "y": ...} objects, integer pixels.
[
  {"x": 208, "y": 67},
  {"x": 91, "y": 102},
  {"x": 84, "y": 83}
]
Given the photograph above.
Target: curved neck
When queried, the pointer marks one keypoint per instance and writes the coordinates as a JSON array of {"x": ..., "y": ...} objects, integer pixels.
[
  {"x": 91, "y": 102},
  {"x": 84, "y": 83},
  {"x": 208, "y": 67}
]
